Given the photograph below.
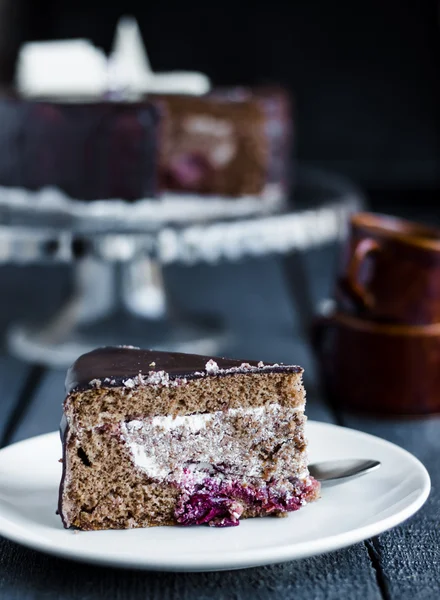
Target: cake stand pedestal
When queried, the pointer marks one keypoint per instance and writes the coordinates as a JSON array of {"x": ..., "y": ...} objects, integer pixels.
[
  {"x": 115, "y": 304},
  {"x": 119, "y": 295}
]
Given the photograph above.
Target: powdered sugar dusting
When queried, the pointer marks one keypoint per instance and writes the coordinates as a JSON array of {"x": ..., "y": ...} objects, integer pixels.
[
  {"x": 154, "y": 378},
  {"x": 129, "y": 383},
  {"x": 212, "y": 368}
]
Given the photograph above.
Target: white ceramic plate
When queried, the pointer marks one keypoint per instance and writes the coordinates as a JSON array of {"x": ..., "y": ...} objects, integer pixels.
[{"x": 346, "y": 514}]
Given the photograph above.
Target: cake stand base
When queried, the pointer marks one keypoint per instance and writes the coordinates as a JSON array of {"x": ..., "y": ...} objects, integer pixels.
[
  {"x": 119, "y": 304},
  {"x": 200, "y": 336}
]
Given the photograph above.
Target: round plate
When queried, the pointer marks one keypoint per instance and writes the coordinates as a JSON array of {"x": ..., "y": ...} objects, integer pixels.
[{"x": 346, "y": 513}]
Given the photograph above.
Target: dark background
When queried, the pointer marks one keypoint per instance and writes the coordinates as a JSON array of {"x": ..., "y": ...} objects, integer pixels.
[{"x": 365, "y": 75}]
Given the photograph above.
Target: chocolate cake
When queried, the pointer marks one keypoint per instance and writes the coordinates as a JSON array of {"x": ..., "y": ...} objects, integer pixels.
[
  {"x": 230, "y": 142},
  {"x": 155, "y": 438}
]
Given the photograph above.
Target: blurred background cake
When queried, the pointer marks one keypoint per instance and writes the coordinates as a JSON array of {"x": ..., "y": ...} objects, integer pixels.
[
  {"x": 89, "y": 151},
  {"x": 114, "y": 129},
  {"x": 230, "y": 142}
]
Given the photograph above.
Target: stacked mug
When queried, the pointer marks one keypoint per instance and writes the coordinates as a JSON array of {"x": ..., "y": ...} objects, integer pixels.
[{"x": 378, "y": 345}]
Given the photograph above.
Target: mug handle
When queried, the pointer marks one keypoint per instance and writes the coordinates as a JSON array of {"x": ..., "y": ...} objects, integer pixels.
[{"x": 362, "y": 249}]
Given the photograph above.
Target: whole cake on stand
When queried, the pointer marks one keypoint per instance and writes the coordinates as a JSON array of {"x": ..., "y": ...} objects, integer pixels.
[{"x": 121, "y": 132}]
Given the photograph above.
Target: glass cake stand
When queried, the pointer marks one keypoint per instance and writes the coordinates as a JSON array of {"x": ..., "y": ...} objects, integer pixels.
[{"x": 118, "y": 253}]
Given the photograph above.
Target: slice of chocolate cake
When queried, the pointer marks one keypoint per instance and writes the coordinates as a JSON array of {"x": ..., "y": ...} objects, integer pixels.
[{"x": 155, "y": 438}]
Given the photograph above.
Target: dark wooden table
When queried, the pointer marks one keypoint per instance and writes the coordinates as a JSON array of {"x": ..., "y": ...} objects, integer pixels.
[{"x": 255, "y": 301}]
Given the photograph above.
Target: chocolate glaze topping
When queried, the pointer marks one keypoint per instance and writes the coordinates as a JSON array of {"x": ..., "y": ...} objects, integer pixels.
[{"x": 115, "y": 366}]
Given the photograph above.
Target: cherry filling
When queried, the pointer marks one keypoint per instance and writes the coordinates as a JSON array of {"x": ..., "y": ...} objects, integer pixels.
[
  {"x": 201, "y": 507},
  {"x": 220, "y": 504},
  {"x": 188, "y": 170}
]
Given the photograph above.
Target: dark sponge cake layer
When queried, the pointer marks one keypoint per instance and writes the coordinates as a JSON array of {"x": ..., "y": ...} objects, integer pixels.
[
  {"x": 102, "y": 490},
  {"x": 206, "y": 441},
  {"x": 110, "y": 405}
]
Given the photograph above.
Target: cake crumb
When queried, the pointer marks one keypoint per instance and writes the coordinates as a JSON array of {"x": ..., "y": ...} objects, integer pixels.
[
  {"x": 152, "y": 364},
  {"x": 96, "y": 383}
]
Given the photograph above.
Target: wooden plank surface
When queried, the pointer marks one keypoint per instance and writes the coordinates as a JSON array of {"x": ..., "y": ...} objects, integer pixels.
[
  {"x": 26, "y": 575},
  {"x": 408, "y": 556},
  {"x": 13, "y": 377}
]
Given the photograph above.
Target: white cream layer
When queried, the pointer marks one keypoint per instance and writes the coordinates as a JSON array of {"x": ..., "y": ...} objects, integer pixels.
[
  {"x": 194, "y": 422},
  {"x": 175, "y": 448}
]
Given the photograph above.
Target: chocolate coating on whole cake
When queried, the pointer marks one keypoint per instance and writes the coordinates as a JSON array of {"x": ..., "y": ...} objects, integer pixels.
[
  {"x": 89, "y": 150},
  {"x": 122, "y": 365},
  {"x": 230, "y": 142}
]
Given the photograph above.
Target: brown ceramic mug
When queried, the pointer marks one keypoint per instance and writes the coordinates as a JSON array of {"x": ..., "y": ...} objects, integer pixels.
[
  {"x": 379, "y": 368},
  {"x": 390, "y": 271}
]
